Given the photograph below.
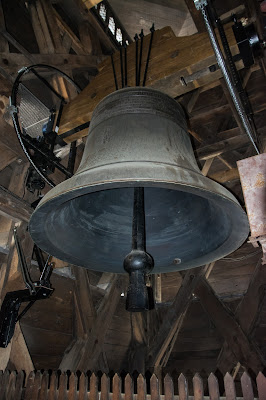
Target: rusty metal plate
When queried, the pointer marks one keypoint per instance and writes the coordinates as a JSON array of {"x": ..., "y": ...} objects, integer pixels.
[{"x": 252, "y": 173}]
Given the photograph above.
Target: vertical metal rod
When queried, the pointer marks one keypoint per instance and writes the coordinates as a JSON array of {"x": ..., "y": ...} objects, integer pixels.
[
  {"x": 125, "y": 56},
  {"x": 113, "y": 66},
  {"x": 122, "y": 69},
  {"x": 136, "y": 38},
  {"x": 140, "y": 55},
  {"x": 72, "y": 157},
  {"x": 148, "y": 56},
  {"x": 138, "y": 225}
]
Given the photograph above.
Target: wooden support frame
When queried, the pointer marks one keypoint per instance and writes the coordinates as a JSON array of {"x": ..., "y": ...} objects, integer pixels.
[
  {"x": 160, "y": 348},
  {"x": 245, "y": 314},
  {"x": 84, "y": 353},
  {"x": 243, "y": 349}
]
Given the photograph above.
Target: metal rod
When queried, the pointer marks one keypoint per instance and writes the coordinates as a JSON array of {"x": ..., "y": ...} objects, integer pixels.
[
  {"x": 24, "y": 269},
  {"x": 46, "y": 83},
  {"x": 72, "y": 157},
  {"x": 148, "y": 56},
  {"x": 136, "y": 38},
  {"x": 121, "y": 66},
  {"x": 46, "y": 270},
  {"x": 113, "y": 66},
  {"x": 140, "y": 55},
  {"x": 228, "y": 80},
  {"x": 53, "y": 161},
  {"x": 125, "y": 59},
  {"x": 39, "y": 257},
  {"x": 28, "y": 306},
  {"x": 138, "y": 224}
]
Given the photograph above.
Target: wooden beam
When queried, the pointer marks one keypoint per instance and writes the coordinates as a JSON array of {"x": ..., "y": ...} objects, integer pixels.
[
  {"x": 172, "y": 322},
  {"x": 246, "y": 313},
  {"x": 243, "y": 349},
  {"x": 138, "y": 344},
  {"x": 196, "y": 15},
  {"x": 84, "y": 354},
  {"x": 225, "y": 176},
  {"x": 75, "y": 42},
  {"x": 216, "y": 149},
  {"x": 11, "y": 63},
  {"x": 165, "y": 71},
  {"x": 13, "y": 207}
]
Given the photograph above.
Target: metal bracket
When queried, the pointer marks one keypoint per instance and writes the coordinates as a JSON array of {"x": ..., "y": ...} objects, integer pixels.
[{"x": 200, "y": 3}]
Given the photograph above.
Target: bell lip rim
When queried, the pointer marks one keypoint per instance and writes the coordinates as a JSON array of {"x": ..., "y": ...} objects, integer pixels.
[{"x": 236, "y": 207}]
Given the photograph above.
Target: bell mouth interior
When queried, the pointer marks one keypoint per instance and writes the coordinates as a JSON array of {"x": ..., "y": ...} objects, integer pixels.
[{"x": 183, "y": 229}]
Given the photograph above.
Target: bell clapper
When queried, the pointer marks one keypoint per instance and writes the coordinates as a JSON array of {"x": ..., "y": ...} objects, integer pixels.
[{"x": 138, "y": 262}]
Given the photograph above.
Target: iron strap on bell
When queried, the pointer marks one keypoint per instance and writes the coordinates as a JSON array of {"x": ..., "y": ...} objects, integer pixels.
[{"x": 138, "y": 138}]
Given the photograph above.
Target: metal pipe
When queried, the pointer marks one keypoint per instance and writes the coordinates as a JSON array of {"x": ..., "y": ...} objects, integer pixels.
[
  {"x": 113, "y": 66},
  {"x": 121, "y": 66},
  {"x": 227, "y": 77},
  {"x": 72, "y": 157},
  {"x": 148, "y": 56},
  {"x": 136, "y": 38},
  {"x": 140, "y": 55},
  {"x": 125, "y": 57}
]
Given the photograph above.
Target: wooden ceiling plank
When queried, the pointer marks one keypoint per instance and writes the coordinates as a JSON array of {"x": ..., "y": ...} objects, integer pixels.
[{"x": 243, "y": 349}]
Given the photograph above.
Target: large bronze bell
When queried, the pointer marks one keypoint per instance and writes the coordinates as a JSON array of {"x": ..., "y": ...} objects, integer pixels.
[{"x": 138, "y": 138}]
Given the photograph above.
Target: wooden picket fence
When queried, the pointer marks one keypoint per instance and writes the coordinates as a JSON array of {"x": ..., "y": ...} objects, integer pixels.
[{"x": 64, "y": 386}]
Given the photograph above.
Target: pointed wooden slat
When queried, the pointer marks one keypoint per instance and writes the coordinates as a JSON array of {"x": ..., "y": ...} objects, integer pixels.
[
  {"x": 72, "y": 392},
  {"x": 141, "y": 387},
  {"x": 29, "y": 386},
  {"x": 62, "y": 390},
  {"x": 229, "y": 386},
  {"x": 4, "y": 382},
  {"x": 94, "y": 394},
  {"x": 116, "y": 387},
  {"x": 19, "y": 385},
  {"x": 168, "y": 387},
  {"x": 182, "y": 387},
  {"x": 11, "y": 386},
  {"x": 128, "y": 388},
  {"x": 52, "y": 393},
  {"x": 36, "y": 386},
  {"x": 247, "y": 388},
  {"x": 213, "y": 387},
  {"x": 43, "y": 392},
  {"x": 83, "y": 387},
  {"x": 155, "y": 391},
  {"x": 105, "y": 387},
  {"x": 198, "y": 387},
  {"x": 261, "y": 384}
]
